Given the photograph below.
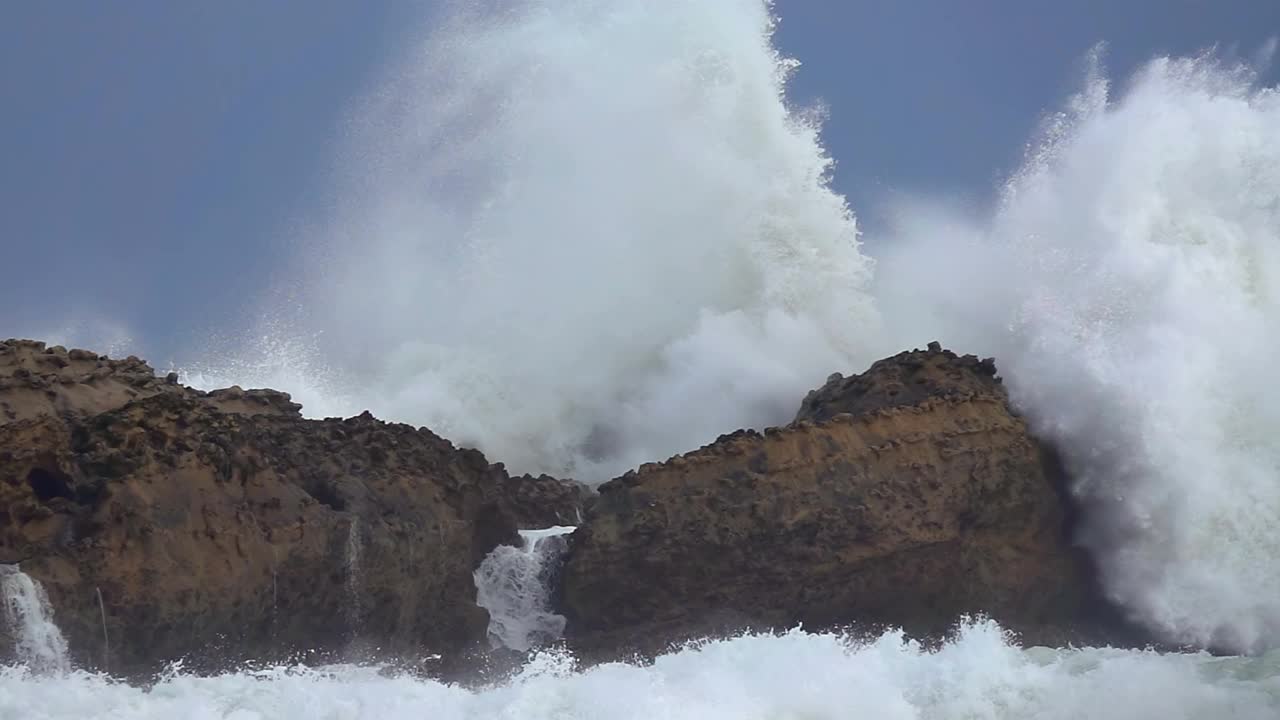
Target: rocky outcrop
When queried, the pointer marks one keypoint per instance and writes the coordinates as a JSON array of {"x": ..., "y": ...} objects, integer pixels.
[
  {"x": 36, "y": 381},
  {"x": 222, "y": 526},
  {"x": 543, "y": 501},
  {"x": 906, "y": 379},
  {"x": 908, "y": 495}
]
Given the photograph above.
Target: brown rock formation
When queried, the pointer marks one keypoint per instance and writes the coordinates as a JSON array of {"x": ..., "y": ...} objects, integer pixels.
[
  {"x": 220, "y": 526},
  {"x": 905, "y": 379},
  {"x": 36, "y": 380},
  {"x": 915, "y": 497}
]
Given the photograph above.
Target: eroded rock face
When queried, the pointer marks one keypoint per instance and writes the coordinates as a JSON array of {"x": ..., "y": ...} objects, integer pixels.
[
  {"x": 906, "y": 379},
  {"x": 223, "y": 526},
  {"x": 908, "y": 495},
  {"x": 36, "y": 380}
]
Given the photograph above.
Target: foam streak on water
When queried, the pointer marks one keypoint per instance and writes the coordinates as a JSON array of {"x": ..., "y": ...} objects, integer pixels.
[
  {"x": 815, "y": 677},
  {"x": 38, "y": 644}
]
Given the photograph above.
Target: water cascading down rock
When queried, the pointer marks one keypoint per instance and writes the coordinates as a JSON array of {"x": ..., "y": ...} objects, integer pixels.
[
  {"x": 28, "y": 618},
  {"x": 515, "y": 584}
]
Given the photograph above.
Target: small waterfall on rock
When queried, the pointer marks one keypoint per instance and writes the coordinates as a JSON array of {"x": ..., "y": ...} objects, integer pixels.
[
  {"x": 352, "y": 562},
  {"x": 37, "y": 641},
  {"x": 106, "y": 639},
  {"x": 514, "y": 585}
]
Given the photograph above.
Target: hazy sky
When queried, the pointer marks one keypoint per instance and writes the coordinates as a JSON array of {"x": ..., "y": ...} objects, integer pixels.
[{"x": 156, "y": 155}]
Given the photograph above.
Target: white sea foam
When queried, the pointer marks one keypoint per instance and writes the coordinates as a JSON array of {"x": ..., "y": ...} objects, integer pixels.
[{"x": 815, "y": 677}]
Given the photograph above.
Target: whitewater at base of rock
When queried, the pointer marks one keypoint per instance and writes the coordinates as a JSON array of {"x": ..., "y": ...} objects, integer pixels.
[{"x": 795, "y": 675}]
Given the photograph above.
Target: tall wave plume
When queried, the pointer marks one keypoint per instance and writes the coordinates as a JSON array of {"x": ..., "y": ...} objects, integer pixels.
[
  {"x": 579, "y": 235},
  {"x": 1128, "y": 282}
]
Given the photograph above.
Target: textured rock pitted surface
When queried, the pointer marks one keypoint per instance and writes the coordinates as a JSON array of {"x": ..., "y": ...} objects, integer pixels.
[
  {"x": 36, "y": 380},
  {"x": 906, "y": 379},
  {"x": 220, "y": 526},
  {"x": 917, "y": 496}
]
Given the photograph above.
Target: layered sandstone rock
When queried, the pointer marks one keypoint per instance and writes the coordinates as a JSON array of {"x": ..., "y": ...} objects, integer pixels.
[
  {"x": 908, "y": 495},
  {"x": 222, "y": 526}
]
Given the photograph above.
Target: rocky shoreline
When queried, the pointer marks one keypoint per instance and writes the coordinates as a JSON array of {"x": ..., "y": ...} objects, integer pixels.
[{"x": 166, "y": 523}]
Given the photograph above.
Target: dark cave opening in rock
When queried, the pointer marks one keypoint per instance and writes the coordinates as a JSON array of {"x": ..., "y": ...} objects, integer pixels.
[{"x": 49, "y": 484}]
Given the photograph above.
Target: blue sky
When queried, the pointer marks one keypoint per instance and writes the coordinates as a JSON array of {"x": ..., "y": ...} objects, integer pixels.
[{"x": 157, "y": 155}]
